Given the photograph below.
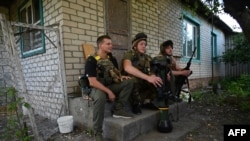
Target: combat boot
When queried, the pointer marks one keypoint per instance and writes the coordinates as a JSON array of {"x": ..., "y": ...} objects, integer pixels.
[
  {"x": 121, "y": 113},
  {"x": 136, "y": 109}
]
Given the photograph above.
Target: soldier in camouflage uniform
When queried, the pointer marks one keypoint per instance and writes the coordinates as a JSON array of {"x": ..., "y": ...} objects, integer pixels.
[
  {"x": 136, "y": 63},
  {"x": 107, "y": 84},
  {"x": 166, "y": 49}
]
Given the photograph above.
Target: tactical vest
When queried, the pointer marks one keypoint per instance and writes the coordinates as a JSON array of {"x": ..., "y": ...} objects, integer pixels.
[
  {"x": 107, "y": 73},
  {"x": 141, "y": 62}
]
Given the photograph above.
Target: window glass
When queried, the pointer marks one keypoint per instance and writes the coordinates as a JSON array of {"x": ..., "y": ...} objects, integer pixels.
[
  {"x": 214, "y": 46},
  {"x": 32, "y": 40},
  {"x": 190, "y": 36}
]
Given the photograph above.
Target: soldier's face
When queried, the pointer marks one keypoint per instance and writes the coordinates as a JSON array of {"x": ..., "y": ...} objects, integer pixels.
[
  {"x": 141, "y": 46},
  {"x": 106, "y": 45},
  {"x": 169, "y": 50}
]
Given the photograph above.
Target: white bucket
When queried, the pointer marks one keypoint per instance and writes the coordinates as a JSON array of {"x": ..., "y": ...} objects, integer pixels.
[{"x": 65, "y": 124}]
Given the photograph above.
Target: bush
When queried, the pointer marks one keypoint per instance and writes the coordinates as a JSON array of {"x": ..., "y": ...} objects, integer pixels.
[
  {"x": 238, "y": 91},
  {"x": 15, "y": 127}
]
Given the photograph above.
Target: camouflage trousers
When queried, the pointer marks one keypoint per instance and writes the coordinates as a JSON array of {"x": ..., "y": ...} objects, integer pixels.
[{"x": 142, "y": 90}]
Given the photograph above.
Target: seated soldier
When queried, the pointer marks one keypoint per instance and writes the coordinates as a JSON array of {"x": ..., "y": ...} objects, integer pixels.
[
  {"x": 136, "y": 63},
  {"x": 166, "y": 49},
  {"x": 107, "y": 83}
]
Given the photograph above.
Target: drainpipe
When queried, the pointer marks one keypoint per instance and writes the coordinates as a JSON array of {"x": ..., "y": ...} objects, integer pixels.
[{"x": 212, "y": 45}]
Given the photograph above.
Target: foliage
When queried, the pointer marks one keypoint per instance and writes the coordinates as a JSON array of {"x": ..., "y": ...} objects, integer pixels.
[
  {"x": 207, "y": 6},
  {"x": 239, "y": 86},
  {"x": 214, "y": 5},
  {"x": 240, "y": 52},
  {"x": 238, "y": 91},
  {"x": 208, "y": 98},
  {"x": 15, "y": 128},
  {"x": 89, "y": 132},
  {"x": 235, "y": 92}
]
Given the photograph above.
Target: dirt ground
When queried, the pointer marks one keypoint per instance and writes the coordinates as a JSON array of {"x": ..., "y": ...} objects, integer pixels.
[{"x": 218, "y": 114}]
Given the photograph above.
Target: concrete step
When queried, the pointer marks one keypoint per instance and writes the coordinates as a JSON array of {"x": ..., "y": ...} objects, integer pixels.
[
  {"x": 130, "y": 129},
  {"x": 118, "y": 129},
  {"x": 127, "y": 129}
]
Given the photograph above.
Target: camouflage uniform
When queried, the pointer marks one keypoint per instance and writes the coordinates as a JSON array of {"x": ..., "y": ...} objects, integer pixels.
[{"x": 142, "y": 89}]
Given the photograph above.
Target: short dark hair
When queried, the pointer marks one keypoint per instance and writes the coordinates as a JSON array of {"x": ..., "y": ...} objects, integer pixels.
[
  {"x": 101, "y": 38},
  {"x": 164, "y": 45}
]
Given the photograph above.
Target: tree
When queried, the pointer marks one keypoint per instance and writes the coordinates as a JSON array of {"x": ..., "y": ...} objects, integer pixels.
[
  {"x": 240, "y": 52},
  {"x": 239, "y": 10}
]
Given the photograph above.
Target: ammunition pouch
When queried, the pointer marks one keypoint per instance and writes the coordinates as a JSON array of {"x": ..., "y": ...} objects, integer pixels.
[
  {"x": 107, "y": 72},
  {"x": 84, "y": 84}
]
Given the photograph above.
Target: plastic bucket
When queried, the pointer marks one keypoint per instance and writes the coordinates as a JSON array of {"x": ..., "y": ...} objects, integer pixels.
[{"x": 65, "y": 124}]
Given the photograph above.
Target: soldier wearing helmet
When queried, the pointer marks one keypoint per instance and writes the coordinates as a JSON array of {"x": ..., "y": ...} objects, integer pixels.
[{"x": 136, "y": 63}]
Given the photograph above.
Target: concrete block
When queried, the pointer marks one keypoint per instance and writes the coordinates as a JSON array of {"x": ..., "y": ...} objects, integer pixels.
[
  {"x": 82, "y": 111},
  {"x": 118, "y": 129},
  {"x": 128, "y": 129}
]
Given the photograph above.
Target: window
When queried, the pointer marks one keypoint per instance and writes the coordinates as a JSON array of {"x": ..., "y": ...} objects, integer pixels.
[
  {"x": 214, "y": 47},
  {"x": 190, "y": 38},
  {"x": 32, "y": 40}
]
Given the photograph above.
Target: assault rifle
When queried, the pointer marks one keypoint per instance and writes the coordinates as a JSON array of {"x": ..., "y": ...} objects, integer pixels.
[{"x": 181, "y": 80}]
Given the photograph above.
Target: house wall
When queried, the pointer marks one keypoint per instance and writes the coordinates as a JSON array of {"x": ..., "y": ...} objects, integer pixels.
[
  {"x": 83, "y": 21},
  {"x": 43, "y": 72},
  {"x": 51, "y": 76},
  {"x": 4, "y": 72},
  {"x": 162, "y": 20},
  {"x": 2, "y": 62}
]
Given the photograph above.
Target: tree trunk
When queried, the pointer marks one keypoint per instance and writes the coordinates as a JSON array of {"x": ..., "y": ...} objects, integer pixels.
[{"x": 239, "y": 10}]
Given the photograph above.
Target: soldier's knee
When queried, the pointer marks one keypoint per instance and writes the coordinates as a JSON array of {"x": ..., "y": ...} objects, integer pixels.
[
  {"x": 129, "y": 82},
  {"x": 99, "y": 96}
]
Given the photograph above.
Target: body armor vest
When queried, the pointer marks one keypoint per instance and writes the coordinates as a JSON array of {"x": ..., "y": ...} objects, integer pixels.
[
  {"x": 141, "y": 62},
  {"x": 107, "y": 73}
]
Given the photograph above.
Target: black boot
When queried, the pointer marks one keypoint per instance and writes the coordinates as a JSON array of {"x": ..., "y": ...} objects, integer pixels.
[{"x": 136, "y": 109}]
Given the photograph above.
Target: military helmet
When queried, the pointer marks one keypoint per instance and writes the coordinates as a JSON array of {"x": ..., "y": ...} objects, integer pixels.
[
  {"x": 138, "y": 37},
  {"x": 164, "y": 45}
]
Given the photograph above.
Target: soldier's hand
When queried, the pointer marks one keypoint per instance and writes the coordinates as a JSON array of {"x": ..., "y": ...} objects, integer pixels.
[
  {"x": 111, "y": 96},
  {"x": 155, "y": 80},
  {"x": 168, "y": 77},
  {"x": 125, "y": 77},
  {"x": 186, "y": 72}
]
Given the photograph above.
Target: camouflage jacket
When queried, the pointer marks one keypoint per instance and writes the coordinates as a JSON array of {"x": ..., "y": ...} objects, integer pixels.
[{"x": 140, "y": 61}]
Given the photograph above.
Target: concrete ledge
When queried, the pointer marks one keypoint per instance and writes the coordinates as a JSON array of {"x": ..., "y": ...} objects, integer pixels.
[
  {"x": 128, "y": 129},
  {"x": 117, "y": 129},
  {"x": 82, "y": 111}
]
